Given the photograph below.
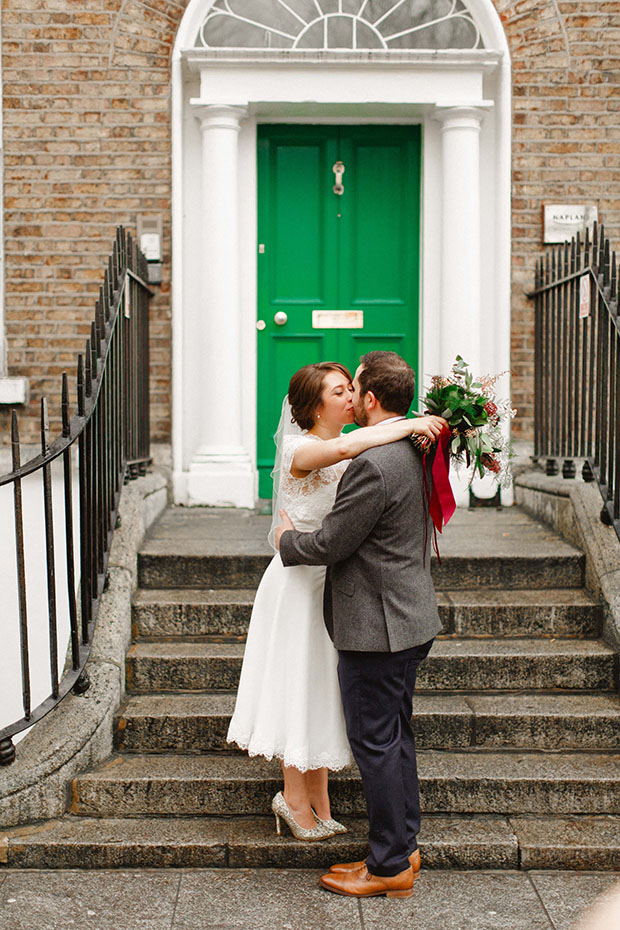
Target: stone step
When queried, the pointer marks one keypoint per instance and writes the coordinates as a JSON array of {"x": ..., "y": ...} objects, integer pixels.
[
  {"x": 211, "y": 548},
  {"x": 453, "y": 664},
  {"x": 489, "y": 782},
  {"x": 196, "y": 612},
  {"x": 498, "y": 612},
  {"x": 457, "y": 842},
  {"x": 578, "y": 843},
  {"x": 232, "y": 570},
  {"x": 193, "y": 723}
]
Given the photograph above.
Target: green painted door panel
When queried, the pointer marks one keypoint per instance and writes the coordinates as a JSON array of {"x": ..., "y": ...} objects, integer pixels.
[{"x": 320, "y": 251}]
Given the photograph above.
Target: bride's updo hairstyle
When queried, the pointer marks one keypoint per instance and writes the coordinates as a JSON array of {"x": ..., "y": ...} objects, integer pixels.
[{"x": 306, "y": 388}]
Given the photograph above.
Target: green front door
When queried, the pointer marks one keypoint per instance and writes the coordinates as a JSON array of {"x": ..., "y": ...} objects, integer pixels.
[{"x": 320, "y": 252}]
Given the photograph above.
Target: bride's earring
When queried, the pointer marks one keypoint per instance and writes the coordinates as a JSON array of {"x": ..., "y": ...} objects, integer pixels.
[{"x": 318, "y": 416}]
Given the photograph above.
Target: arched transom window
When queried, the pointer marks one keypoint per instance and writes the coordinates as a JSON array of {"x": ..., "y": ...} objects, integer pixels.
[{"x": 339, "y": 24}]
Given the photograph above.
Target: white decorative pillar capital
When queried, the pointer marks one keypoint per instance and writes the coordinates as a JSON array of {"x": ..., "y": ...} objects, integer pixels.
[
  {"x": 217, "y": 116},
  {"x": 464, "y": 116},
  {"x": 220, "y": 472}
]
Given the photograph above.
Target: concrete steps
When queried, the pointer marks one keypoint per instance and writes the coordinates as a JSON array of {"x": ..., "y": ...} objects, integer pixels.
[
  {"x": 453, "y": 664},
  {"x": 517, "y": 715},
  {"x": 191, "y": 612},
  {"x": 499, "y": 781},
  {"x": 539, "y": 569},
  {"x": 226, "y": 549},
  {"x": 462, "y": 842},
  {"x": 196, "y": 723},
  {"x": 196, "y": 612}
]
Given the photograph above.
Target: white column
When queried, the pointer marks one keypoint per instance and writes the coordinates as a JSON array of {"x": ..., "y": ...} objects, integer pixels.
[
  {"x": 461, "y": 250},
  {"x": 460, "y": 235},
  {"x": 220, "y": 473}
]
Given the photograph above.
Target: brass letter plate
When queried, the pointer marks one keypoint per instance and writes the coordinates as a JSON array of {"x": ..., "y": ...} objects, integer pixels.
[{"x": 337, "y": 319}]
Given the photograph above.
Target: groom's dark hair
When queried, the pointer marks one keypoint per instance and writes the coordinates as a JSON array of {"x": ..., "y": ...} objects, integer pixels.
[{"x": 390, "y": 379}]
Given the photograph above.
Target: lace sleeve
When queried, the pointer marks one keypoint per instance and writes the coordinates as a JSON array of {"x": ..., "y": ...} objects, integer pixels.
[{"x": 289, "y": 448}]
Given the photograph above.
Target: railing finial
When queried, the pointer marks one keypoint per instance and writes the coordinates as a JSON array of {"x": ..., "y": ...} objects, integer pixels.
[
  {"x": 15, "y": 450},
  {"x": 88, "y": 370},
  {"x": 80, "y": 386},
  {"x": 64, "y": 404},
  {"x": 606, "y": 264},
  {"x": 95, "y": 348},
  {"x": 45, "y": 426}
]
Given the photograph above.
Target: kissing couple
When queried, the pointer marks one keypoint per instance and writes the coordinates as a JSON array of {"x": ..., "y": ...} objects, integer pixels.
[{"x": 351, "y": 523}]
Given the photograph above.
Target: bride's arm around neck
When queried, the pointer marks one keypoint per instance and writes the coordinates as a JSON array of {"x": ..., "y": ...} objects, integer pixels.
[{"x": 312, "y": 455}]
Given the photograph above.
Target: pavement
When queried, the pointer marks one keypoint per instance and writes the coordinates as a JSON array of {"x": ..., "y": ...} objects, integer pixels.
[{"x": 280, "y": 899}]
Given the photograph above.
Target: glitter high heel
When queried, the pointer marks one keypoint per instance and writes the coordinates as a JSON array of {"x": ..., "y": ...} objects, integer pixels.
[
  {"x": 282, "y": 811},
  {"x": 332, "y": 825}
]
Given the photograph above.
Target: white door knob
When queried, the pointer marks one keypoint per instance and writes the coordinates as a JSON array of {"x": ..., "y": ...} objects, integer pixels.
[{"x": 280, "y": 318}]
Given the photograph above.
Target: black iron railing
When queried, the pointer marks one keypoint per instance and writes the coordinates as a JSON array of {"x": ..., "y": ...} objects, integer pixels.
[
  {"x": 111, "y": 432},
  {"x": 577, "y": 378}
]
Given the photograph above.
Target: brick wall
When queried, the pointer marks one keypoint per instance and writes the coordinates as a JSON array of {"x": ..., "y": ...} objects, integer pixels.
[
  {"x": 566, "y": 141},
  {"x": 86, "y": 146},
  {"x": 86, "y": 112}
]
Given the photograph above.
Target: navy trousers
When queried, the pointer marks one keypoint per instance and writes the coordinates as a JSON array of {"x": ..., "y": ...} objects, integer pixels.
[{"x": 377, "y": 694}]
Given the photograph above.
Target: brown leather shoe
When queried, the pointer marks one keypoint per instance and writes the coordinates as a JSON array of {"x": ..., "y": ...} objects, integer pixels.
[
  {"x": 361, "y": 884},
  {"x": 414, "y": 861}
]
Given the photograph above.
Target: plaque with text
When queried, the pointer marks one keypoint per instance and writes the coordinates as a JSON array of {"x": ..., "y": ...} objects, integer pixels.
[
  {"x": 562, "y": 221},
  {"x": 337, "y": 319}
]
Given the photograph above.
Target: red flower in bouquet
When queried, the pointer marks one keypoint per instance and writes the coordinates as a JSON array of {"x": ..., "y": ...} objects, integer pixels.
[
  {"x": 491, "y": 463},
  {"x": 491, "y": 410}
]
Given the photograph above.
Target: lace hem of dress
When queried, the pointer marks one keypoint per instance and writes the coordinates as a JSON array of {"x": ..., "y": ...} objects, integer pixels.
[{"x": 302, "y": 763}]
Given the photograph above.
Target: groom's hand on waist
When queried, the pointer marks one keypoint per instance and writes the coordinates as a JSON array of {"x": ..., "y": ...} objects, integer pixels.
[{"x": 283, "y": 527}]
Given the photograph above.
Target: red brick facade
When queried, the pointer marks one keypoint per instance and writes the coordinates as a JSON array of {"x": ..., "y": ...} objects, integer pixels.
[{"x": 86, "y": 111}]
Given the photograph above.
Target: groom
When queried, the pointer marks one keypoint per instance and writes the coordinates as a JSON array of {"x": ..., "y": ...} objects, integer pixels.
[{"x": 381, "y": 613}]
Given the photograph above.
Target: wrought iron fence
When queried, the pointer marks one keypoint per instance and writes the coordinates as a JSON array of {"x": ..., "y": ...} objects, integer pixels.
[
  {"x": 577, "y": 378},
  {"x": 110, "y": 430}
]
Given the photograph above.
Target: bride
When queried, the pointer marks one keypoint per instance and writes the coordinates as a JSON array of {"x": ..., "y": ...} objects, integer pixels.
[{"x": 288, "y": 703}]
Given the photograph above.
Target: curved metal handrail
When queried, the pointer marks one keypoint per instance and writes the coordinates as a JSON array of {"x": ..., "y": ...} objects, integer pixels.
[{"x": 111, "y": 430}]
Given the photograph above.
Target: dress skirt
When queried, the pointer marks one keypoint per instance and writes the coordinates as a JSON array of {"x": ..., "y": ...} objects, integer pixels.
[{"x": 288, "y": 703}]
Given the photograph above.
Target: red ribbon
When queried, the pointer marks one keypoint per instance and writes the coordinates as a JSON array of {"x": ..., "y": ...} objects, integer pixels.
[{"x": 442, "y": 504}]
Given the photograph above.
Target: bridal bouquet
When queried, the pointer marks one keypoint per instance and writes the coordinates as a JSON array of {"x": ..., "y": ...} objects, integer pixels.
[{"x": 475, "y": 415}]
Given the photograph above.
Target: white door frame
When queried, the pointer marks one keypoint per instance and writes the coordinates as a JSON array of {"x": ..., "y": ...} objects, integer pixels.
[{"x": 462, "y": 100}]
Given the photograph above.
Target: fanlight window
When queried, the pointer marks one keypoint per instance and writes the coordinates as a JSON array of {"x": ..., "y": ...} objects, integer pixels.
[{"x": 339, "y": 24}]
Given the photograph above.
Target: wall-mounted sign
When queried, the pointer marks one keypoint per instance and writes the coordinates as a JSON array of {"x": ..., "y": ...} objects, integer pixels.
[
  {"x": 337, "y": 319},
  {"x": 127, "y": 296},
  {"x": 562, "y": 221},
  {"x": 150, "y": 234},
  {"x": 584, "y": 296}
]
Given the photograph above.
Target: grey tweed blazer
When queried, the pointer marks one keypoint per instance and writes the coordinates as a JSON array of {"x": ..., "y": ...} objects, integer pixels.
[{"x": 379, "y": 596}]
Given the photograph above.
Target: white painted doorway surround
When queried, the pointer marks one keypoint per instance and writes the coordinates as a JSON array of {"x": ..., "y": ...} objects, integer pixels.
[{"x": 462, "y": 100}]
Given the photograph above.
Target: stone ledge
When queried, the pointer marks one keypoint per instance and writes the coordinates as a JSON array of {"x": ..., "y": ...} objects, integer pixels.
[
  {"x": 572, "y": 507},
  {"x": 78, "y": 732}
]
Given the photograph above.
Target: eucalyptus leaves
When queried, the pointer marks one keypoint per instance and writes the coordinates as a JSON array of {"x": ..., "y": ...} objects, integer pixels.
[{"x": 475, "y": 417}]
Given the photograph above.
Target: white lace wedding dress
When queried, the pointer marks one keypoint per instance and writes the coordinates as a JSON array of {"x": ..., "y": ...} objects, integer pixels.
[{"x": 288, "y": 703}]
